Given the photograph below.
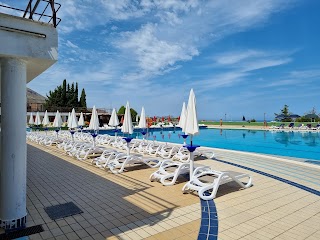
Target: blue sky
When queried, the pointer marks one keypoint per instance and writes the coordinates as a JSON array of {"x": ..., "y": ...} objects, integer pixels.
[{"x": 246, "y": 57}]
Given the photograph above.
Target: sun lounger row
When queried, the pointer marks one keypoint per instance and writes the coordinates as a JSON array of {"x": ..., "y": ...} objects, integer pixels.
[
  {"x": 111, "y": 153},
  {"x": 292, "y": 126}
]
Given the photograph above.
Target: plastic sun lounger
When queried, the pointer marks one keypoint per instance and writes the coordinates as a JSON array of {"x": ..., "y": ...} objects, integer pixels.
[
  {"x": 89, "y": 152},
  {"x": 183, "y": 154},
  {"x": 104, "y": 156},
  {"x": 153, "y": 149},
  {"x": 199, "y": 183},
  {"x": 168, "y": 151},
  {"x": 120, "y": 162},
  {"x": 104, "y": 163},
  {"x": 169, "y": 171}
]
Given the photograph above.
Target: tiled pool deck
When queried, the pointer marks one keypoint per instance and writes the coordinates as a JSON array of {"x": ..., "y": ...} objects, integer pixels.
[{"x": 129, "y": 206}]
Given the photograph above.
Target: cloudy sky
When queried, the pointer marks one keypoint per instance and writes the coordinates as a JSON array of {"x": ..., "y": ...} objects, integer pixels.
[{"x": 241, "y": 57}]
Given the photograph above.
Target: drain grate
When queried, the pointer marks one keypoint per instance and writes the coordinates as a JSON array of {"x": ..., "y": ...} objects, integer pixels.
[
  {"x": 22, "y": 232},
  {"x": 62, "y": 210}
]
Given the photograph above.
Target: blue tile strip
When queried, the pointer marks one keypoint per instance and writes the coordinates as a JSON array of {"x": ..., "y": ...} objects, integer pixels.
[
  {"x": 209, "y": 221},
  {"x": 209, "y": 216},
  {"x": 305, "y": 188}
]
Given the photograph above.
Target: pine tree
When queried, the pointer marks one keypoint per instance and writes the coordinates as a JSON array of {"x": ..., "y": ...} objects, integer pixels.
[
  {"x": 83, "y": 100},
  {"x": 54, "y": 98},
  {"x": 71, "y": 96},
  {"x": 65, "y": 96},
  {"x": 285, "y": 113},
  {"x": 76, "y": 96},
  {"x": 64, "y": 93}
]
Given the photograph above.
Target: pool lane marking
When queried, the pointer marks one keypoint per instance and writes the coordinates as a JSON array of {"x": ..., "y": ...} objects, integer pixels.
[
  {"x": 294, "y": 173},
  {"x": 305, "y": 188}
]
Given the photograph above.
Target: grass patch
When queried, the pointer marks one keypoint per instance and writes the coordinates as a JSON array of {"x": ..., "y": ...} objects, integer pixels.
[{"x": 247, "y": 124}]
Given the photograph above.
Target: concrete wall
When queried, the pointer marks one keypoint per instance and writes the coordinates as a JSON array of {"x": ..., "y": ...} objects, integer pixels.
[{"x": 34, "y": 42}]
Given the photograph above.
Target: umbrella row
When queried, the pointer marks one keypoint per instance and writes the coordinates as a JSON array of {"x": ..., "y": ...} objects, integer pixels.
[
  {"x": 72, "y": 120},
  {"x": 188, "y": 119}
]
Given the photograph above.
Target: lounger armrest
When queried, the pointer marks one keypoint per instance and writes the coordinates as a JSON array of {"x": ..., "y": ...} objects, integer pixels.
[
  {"x": 166, "y": 162},
  {"x": 200, "y": 169}
]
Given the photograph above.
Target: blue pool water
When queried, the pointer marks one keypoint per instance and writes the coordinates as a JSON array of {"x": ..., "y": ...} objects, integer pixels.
[{"x": 292, "y": 144}]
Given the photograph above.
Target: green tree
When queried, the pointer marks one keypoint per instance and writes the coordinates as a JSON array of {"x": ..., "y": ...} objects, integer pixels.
[
  {"x": 65, "y": 96},
  {"x": 284, "y": 115},
  {"x": 76, "y": 96},
  {"x": 64, "y": 92},
  {"x": 285, "y": 110},
  {"x": 133, "y": 112},
  {"x": 121, "y": 110},
  {"x": 71, "y": 96},
  {"x": 54, "y": 98},
  {"x": 83, "y": 100}
]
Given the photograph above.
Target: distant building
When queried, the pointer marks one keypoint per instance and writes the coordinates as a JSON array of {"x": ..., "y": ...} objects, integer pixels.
[
  {"x": 35, "y": 101},
  {"x": 312, "y": 117}
]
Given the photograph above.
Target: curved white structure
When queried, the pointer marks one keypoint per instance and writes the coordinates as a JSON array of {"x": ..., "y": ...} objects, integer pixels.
[{"x": 27, "y": 49}]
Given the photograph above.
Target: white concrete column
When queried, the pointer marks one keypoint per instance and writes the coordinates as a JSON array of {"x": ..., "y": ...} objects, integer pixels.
[{"x": 13, "y": 157}]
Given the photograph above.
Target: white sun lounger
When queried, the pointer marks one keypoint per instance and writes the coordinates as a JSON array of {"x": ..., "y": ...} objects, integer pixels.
[
  {"x": 207, "y": 189},
  {"x": 121, "y": 161},
  {"x": 169, "y": 171},
  {"x": 167, "y": 151},
  {"x": 89, "y": 152},
  {"x": 104, "y": 156},
  {"x": 103, "y": 163},
  {"x": 183, "y": 154},
  {"x": 118, "y": 164}
]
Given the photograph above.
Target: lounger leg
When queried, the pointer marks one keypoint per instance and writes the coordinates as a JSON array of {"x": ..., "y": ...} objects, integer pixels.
[{"x": 213, "y": 194}]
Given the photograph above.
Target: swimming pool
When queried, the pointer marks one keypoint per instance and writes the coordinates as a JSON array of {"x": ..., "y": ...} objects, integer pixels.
[{"x": 292, "y": 144}]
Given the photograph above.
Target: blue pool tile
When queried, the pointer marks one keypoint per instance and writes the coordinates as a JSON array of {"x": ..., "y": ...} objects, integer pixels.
[
  {"x": 204, "y": 230},
  {"x": 205, "y": 215},
  {"x": 205, "y": 221},
  {"x": 212, "y": 237},
  {"x": 202, "y": 237},
  {"x": 207, "y": 237},
  {"x": 213, "y": 230},
  {"x": 213, "y": 215}
]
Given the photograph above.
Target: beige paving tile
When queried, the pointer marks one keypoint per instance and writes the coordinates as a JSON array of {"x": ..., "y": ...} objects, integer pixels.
[{"x": 268, "y": 209}]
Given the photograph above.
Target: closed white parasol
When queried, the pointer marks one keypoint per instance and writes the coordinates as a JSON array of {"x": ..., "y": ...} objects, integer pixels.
[
  {"x": 81, "y": 120},
  {"x": 37, "y": 121},
  {"x": 127, "y": 126},
  {"x": 94, "y": 124},
  {"x": 143, "y": 122},
  {"x": 114, "y": 122},
  {"x": 45, "y": 120},
  {"x": 31, "y": 120},
  {"x": 191, "y": 126},
  {"x": 57, "y": 122}
]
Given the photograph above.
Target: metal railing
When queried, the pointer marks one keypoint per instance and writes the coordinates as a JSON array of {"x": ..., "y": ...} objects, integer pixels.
[{"x": 32, "y": 10}]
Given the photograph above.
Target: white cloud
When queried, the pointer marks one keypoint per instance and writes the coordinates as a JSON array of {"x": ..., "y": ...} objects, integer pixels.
[
  {"x": 152, "y": 53},
  {"x": 70, "y": 44},
  {"x": 280, "y": 83},
  {"x": 132, "y": 43},
  {"x": 252, "y": 59},
  {"x": 265, "y": 63},
  {"x": 235, "y": 57},
  {"x": 310, "y": 73}
]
